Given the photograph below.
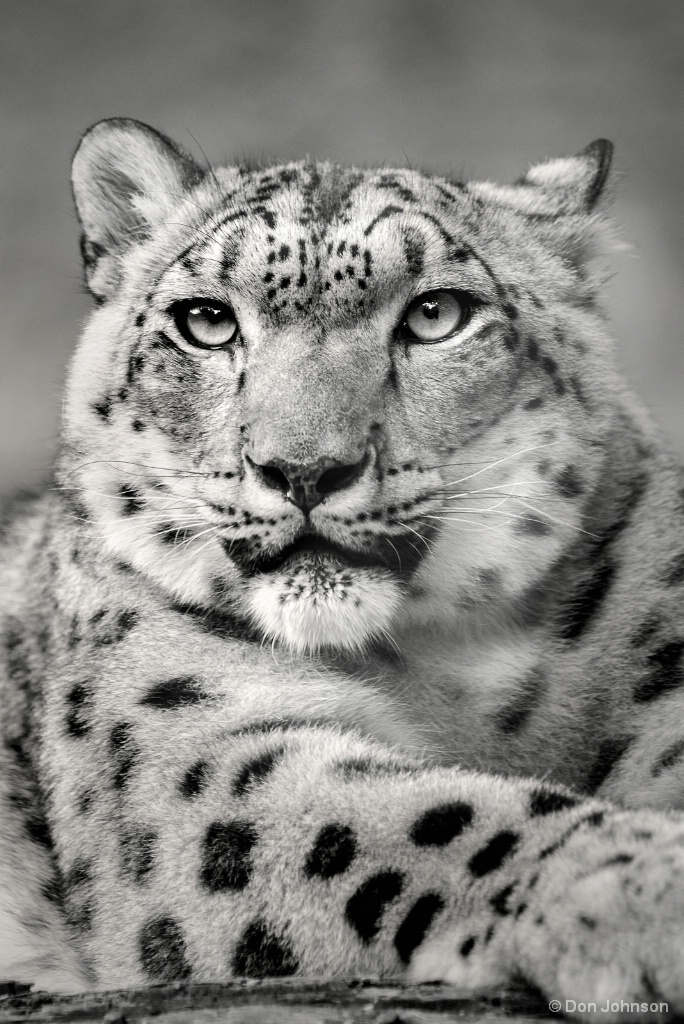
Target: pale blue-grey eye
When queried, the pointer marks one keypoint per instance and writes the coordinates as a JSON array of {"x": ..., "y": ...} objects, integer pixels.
[
  {"x": 433, "y": 317},
  {"x": 210, "y": 325}
]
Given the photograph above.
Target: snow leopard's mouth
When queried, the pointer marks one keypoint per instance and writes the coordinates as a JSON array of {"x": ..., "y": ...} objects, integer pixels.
[{"x": 399, "y": 554}]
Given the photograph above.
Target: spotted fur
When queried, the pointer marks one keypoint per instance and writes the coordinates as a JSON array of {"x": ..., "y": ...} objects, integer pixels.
[{"x": 329, "y": 651}]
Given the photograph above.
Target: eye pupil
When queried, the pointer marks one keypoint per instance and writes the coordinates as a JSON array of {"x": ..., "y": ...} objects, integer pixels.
[{"x": 431, "y": 310}]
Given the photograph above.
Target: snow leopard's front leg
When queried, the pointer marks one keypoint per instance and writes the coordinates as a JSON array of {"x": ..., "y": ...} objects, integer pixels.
[{"x": 280, "y": 848}]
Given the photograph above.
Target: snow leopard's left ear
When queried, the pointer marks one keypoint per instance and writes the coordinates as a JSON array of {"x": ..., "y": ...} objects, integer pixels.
[
  {"x": 564, "y": 186},
  {"x": 127, "y": 178},
  {"x": 578, "y": 181}
]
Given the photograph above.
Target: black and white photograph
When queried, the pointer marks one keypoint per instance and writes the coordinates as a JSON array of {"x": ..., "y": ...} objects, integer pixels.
[{"x": 341, "y": 511}]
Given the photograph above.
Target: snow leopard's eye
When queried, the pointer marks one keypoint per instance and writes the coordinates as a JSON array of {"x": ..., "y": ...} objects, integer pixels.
[
  {"x": 434, "y": 316},
  {"x": 205, "y": 323}
]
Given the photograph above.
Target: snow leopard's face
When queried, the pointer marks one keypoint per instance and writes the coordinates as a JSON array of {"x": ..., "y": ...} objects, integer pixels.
[{"x": 324, "y": 399}]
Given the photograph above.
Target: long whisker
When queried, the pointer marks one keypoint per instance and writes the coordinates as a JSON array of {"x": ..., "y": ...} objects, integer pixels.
[
  {"x": 498, "y": 462},
  {"x": 561, "y": 522},
  {"x": 419, "y": 536},
  {"x": 116, "y": 463},
  {"x": 210, "y": 169},
  {"x": 395, "y": 552},
  {"x": 470, "y": 522}
]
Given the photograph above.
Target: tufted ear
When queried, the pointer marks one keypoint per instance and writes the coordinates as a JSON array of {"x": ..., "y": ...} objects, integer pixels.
[
  {"x": 555, "y": 188},
  {"x": 126, "y": 179},
  {"x": 577, "y": 180}
]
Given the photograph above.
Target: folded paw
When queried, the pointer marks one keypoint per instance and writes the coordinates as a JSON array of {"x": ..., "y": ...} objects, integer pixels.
[{"x": 599, "y": 927}]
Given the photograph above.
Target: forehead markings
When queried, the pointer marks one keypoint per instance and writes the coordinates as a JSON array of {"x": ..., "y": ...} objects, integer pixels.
[
  {"x": 327, "y": 196},
  {"x": 457, "y": 252},
  {"x": 206, "y": 232}
]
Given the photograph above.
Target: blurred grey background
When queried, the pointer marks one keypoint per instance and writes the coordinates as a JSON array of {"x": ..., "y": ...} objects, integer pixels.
[{"x": 480, "y": 87}]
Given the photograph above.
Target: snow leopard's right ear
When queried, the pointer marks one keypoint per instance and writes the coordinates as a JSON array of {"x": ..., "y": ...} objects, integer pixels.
[{"x": 127, "y": 178}]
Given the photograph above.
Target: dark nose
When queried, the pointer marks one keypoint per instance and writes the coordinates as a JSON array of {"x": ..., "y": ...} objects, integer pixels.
[{"x": 307, "y": 486}]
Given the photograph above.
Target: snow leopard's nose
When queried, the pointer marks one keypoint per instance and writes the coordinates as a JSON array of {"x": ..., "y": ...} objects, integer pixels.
[{"x": 306, "y": 486}]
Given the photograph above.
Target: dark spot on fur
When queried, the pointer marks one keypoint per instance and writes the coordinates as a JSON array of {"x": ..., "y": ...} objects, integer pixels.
[
  {"x": 593, "y": 820},
  {"x": 588, "y": 601},
  {"x": 226, "y": 860},
  {"x": 170, "y": 694},
  {"x": 366, "y": 906},
  {"x": 415, "y": 926},
  {"x": 669, "y": 758},
  {"x": 195, "y": 779},
  {"x": 512, "y": 717},
  {"x": 468, "y": 946},
  {"x": 534, "y": 403},
  {"x": 532, "y": 526},
  {"x": 578, "y": 390},
  {"x": 619, "y": 858},
  {"x": 124, "y": 753},
  {"x": 569, "y": 483},
  {"x": 103, "y": 408},
  {"x": 441, "y": 824},
  {"x": 132, "y": 502},
  {"x": 490, "y": 857},
  {"x": 140, "y": 320},
  {"x": 358, "y": 767},
  {"x": 37, "y": 828},
  {"x": 137, "y": 853},
  {"x": 80, "y": 702},
  {"x": 85, "y": 801},
  {"x": 79, "y": 914},
  {"x": 78, "y": 875},
  {"x": 43, "y": 637},
  {"x": 53, "y": 890},
  {"x": 587, "y": 922},
  {"x": 17, "y": 660},
  {"x": 122, "y": 624},
  {"x": 414, "y": 252},
  {"x": 136, "y": 364},
  {"x": 499, "y": 901},
  {"x": 138, "y": 426},
  {"x": 646, "y": 631},
  {"x": 387, "y": 212},
  {"x": 256, "y": 770},
  {"x": 609, "y": 755},
  {"x": 261, "y": 953},
  {"x": 332, "y": 853},
  {"x": 163, "y": 951},
  {"x": 170, "y": 534},
  {"x": 675, "y": 572},
  {"x": 665, "y": 672},
  {"x": 550, "y": 801}
]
